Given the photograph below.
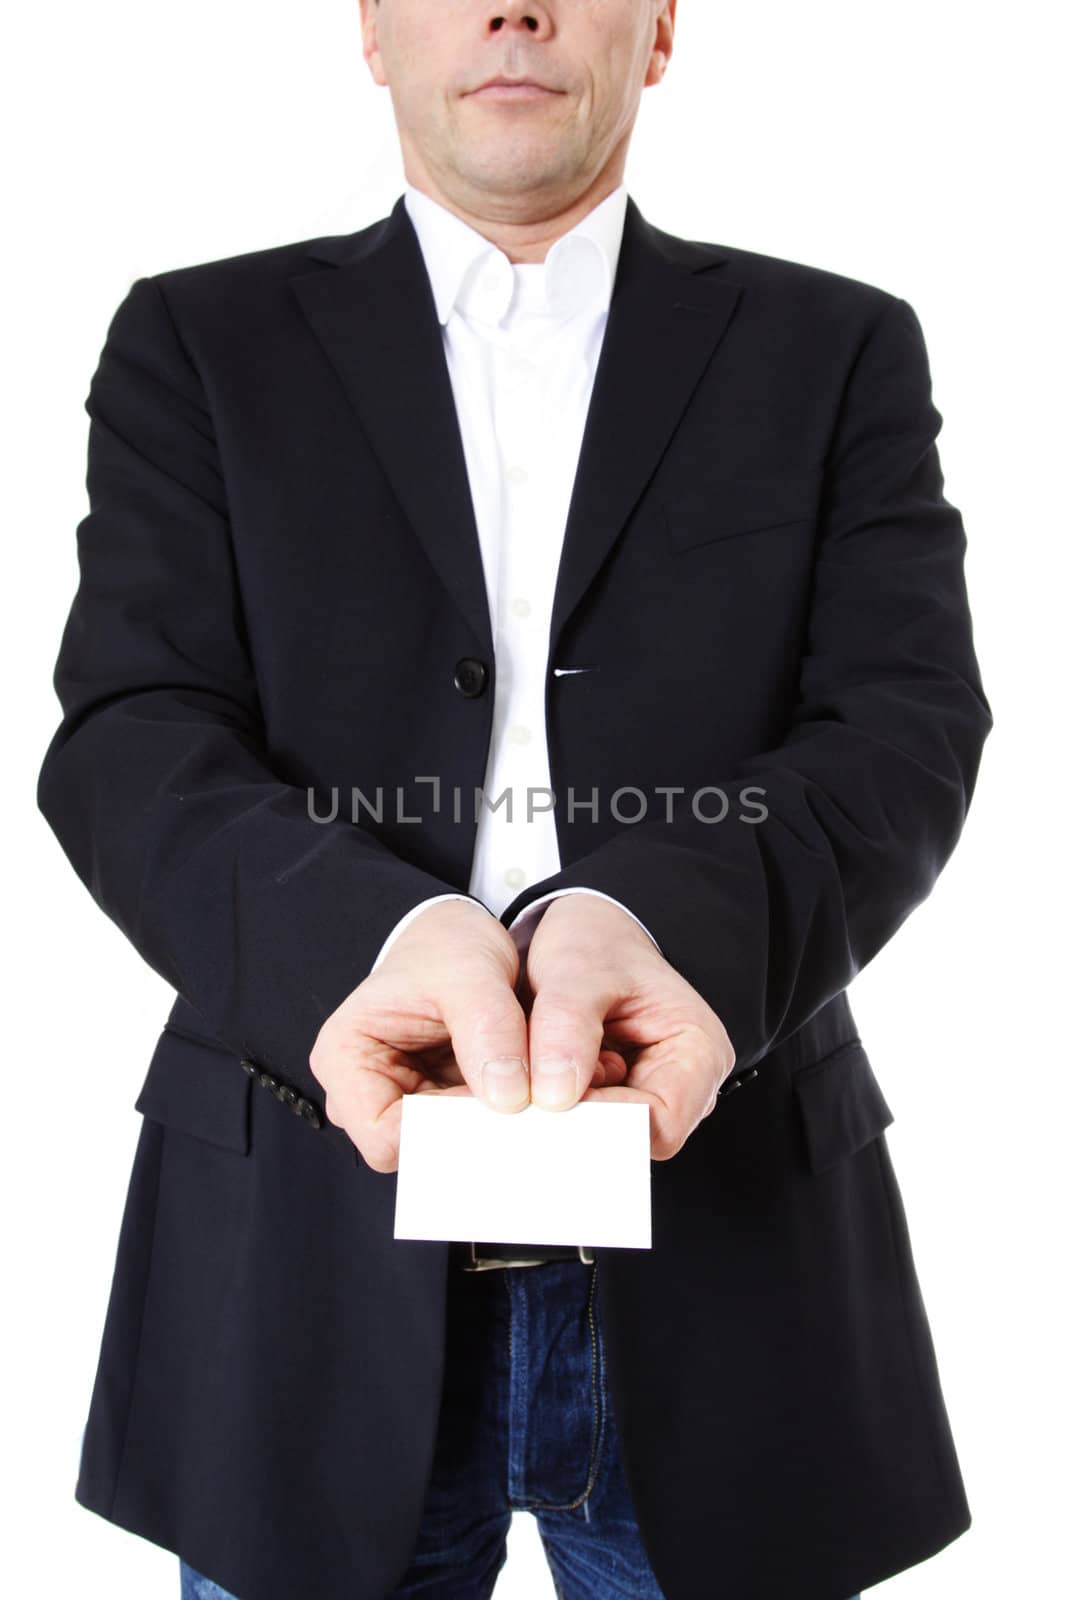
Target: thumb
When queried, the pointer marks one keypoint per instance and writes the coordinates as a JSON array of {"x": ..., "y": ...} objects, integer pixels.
[
  {"x": 566, "y": 1033},
  {"x": 487, "y": 1026}
]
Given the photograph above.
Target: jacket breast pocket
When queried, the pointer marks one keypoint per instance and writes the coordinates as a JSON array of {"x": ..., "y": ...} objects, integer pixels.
[
  {"x": 710, "y": 508},
  {"x": 199, "y": 1089},
  {"x": 840, "y": 1104}
]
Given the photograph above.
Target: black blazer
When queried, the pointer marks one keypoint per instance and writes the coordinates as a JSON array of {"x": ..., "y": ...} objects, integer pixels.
[{"x": 281, "y": 591}]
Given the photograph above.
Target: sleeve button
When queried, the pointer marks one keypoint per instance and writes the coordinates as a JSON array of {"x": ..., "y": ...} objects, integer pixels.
[{"x": 309, "y": 1112}]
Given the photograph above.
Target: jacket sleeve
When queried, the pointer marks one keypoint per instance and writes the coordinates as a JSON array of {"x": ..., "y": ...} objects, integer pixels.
[
  {"x": 834, "y": 836},
  {"x": 157, "y": 781}
]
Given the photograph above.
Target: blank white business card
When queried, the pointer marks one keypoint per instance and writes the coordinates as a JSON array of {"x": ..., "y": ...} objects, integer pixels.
[{"x": 527, "y": 1177}]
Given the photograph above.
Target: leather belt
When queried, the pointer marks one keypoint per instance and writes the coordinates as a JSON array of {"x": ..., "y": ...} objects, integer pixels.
[{"x": 479, "y": 1257}]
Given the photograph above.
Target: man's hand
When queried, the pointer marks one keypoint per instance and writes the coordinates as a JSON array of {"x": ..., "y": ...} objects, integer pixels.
[
  {"x": 609, "y": 1017},
  {"x": 440, "y": 1015}
]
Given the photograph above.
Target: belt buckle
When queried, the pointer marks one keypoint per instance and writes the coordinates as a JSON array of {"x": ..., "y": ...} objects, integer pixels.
[{"x": 479, "y": 1263}]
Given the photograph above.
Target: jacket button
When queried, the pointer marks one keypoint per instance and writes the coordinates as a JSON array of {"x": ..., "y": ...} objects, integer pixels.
[
  {"x": 470, "y": 676},
  {"x": 309, "y": 1112},
  {"x": 737, "y": 1080},
  {"x": 250, "y": 1067},
  {"x": 286, "y": 1093},
  {"x": 268, "y": 1080}
]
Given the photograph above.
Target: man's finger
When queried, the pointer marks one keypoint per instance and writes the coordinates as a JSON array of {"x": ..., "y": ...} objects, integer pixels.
[
  {"x": 680, "y": 1086},
  {"x": 566, "y": 1035},
  {"x": 379, "y": 1130},
  {"x": 666, "y": 1133},
  {"x": 361, "y": 1097},
  {"x": 487, "y": 1026}
]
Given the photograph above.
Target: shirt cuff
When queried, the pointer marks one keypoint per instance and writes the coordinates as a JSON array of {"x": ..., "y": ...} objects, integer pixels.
[{"x": 522, "y": 929}]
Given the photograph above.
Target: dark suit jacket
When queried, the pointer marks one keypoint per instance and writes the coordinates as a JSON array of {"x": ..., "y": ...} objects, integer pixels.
[{"x": 281, "y": 590}]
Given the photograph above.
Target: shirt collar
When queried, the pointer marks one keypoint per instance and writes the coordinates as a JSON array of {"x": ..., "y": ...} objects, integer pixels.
[{"x": 470, "y": 273}]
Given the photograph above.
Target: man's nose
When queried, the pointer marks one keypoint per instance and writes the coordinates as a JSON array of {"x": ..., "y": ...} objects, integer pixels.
[{"x": 523, "y": 15}]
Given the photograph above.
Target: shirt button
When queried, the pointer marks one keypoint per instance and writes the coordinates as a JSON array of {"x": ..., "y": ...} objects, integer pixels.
[
  {"x": 514, "y": 877},
  {"x": 520, "y": 607},
  {"x": 520, "y": 734},
  {"x": 517, "y": 474}
]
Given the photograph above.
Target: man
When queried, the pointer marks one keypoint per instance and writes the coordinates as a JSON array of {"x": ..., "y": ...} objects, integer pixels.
[{"x": 514, "y": 489}]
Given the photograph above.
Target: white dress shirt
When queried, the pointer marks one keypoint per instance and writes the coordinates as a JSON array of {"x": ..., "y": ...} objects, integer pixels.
[{"x": 522, "y": 342}]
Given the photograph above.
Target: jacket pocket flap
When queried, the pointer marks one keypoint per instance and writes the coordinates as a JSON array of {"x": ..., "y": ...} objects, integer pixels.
[
  {"x": 199, "y": 1089},
  {"x": 717, "y": 508},
  {"x": 842, "y": 1106}
]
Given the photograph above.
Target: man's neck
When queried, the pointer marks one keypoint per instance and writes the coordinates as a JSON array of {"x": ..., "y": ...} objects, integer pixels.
[{"x": 523, "y": 228}]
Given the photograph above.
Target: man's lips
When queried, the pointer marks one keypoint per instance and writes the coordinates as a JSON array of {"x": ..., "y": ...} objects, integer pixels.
[{"x": 502, "y": 89}]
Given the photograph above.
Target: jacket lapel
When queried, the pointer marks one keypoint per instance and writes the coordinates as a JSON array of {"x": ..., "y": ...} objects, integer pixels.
[
  {"x": 374, "y": 316},
  {"x": 664, "y": 324}
]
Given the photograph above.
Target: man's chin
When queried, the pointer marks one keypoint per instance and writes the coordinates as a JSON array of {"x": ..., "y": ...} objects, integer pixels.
[{"x": 518, "y": 175}]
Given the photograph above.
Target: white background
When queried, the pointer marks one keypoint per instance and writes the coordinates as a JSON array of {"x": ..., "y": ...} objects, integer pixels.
[{"x": 910, "y": 145}]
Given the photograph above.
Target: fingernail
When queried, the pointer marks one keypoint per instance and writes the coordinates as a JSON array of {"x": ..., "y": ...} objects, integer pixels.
[
  {"x": 555, "y": 1081},
  {"x": 505, "y": 1082}
]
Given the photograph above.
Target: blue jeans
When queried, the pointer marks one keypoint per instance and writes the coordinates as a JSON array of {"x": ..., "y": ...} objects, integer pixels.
[{"x": 526, "y": 1425}]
